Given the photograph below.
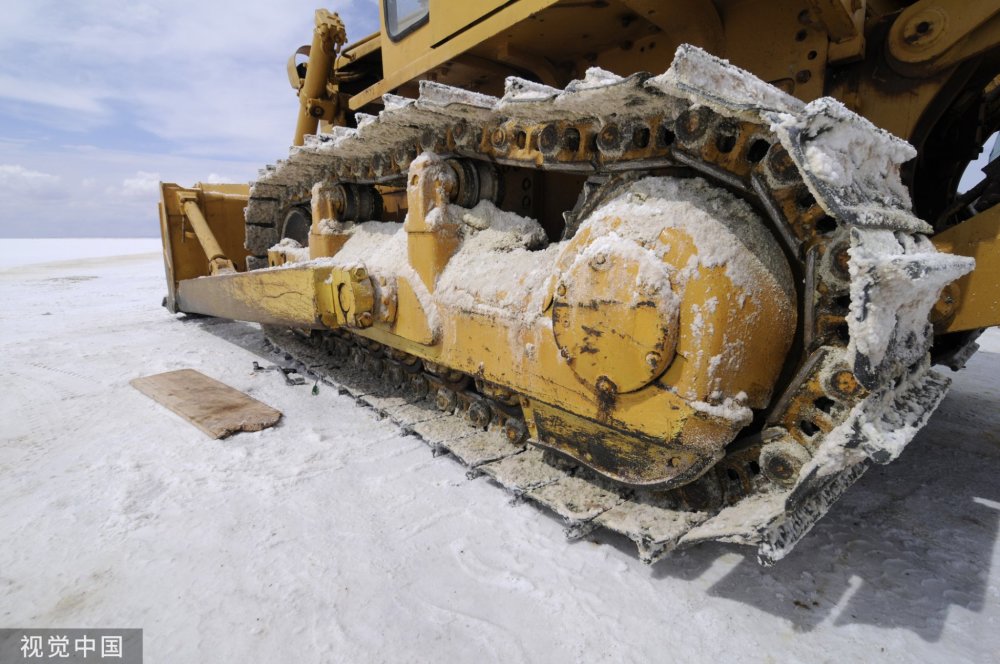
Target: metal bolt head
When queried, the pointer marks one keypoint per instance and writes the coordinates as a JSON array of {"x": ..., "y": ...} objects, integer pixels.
[
  {"x": 359, "y": 273},
  {"x": 364, "y": 319},
  {"x": 609, "y": 138},
  {"x": 844, "y": 383},
  {"x": 782, "y": 460},
  {"x": 561, "y": 290},
  {"x": 780, "y": 468},
  {"x": 479, "y": 414},
  {"x": 515, "y": 431},
  {"x": 498, "y": 138},
  {"x": 946, "y": 305},
  {"x": 653, "y": 359},
  {"x": 446, "y": 400}
]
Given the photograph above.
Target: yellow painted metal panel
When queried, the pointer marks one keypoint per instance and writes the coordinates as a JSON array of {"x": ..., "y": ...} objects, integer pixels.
[
  {"x": 448, "y": 17},
  {"x": 293, "y": 297},
  {"x": 978, "y": 296},
  {"x": 414, "y": 55}
]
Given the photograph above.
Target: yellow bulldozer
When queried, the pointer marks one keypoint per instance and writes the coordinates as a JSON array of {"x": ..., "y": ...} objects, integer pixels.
[{"x": 677, "y": 269}]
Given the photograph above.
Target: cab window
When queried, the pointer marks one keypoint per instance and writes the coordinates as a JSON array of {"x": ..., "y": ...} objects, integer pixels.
[{"x": 404, "y": 16}]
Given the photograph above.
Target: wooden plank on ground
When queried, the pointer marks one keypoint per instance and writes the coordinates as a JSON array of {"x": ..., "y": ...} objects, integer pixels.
[{"x": 213, "y": 407}]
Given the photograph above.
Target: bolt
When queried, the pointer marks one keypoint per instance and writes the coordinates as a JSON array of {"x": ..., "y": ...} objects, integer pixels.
[
  {"x": 479, "y": 414},
  {"x": 498, "y": 138},
  {"x": 653, "y": 359},
  {"x": 780, "y": 468},
  {"x": 844, "y": 383},
  {"x": 564, "y": 352},
  {"x": 782, "y": 460},
  {"x": 446, "y": 400},
  {"x": 609, "y": 138},
  {"x": 597, "y": 261},
  {"x": 359, "y": 273},
  {"x": 515, "y": 431},
  {"x": 946, "y": 305},
  {"x": 693, "y": 123},
  {"x": 561, "y": 290},
  {"x": 364, "y": 319}
]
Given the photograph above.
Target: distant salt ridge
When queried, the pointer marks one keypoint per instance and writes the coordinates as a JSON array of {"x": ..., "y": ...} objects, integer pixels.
[{"x": 18, "y": 252}]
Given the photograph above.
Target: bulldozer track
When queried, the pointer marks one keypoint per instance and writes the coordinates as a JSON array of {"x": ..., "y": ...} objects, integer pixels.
[
  {"x": 753, "y": 141},
  {"x": 656, "y": 522}
]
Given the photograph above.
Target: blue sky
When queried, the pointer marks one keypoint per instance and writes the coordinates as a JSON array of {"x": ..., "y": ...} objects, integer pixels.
[{"x": 99, "y": 100}]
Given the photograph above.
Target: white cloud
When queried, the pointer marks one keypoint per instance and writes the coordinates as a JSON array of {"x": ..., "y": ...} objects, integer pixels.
[
  {"x": 78, "y": 99},
  {"x": 215, "y": 178},
  {"x": 142, "y": 185},
  {"x": 15, "y": 179}
]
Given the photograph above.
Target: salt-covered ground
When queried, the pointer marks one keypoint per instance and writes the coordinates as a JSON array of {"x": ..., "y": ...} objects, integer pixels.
[{"x": 334, "y": 538}]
